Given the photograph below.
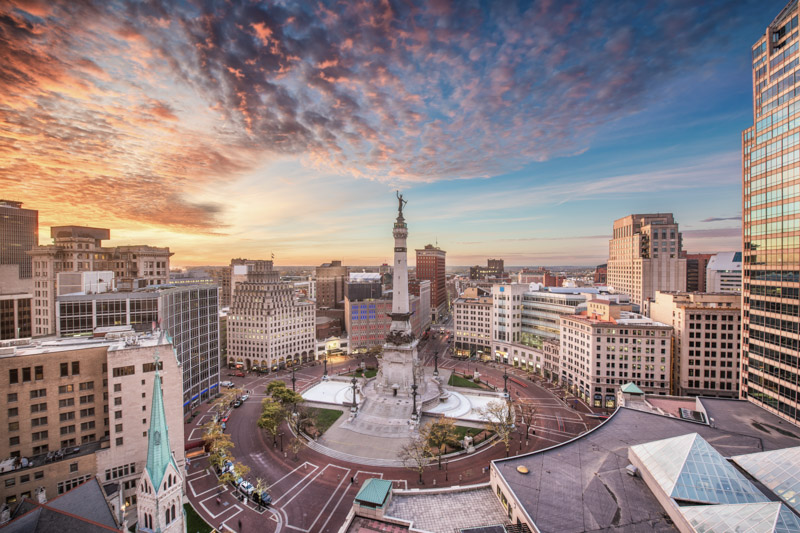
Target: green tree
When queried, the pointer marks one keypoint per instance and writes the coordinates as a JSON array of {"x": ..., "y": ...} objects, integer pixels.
[
  {"x": 441, "y": 432},
  {"x": 238, "y": 471},
  {"x": 286, "y": 397},
  {"x": 272, "y": 414},
  {"x": 498, "y": 417},
  {"x": 217, "y": 443},
  {"x": 226, "y": 398}
]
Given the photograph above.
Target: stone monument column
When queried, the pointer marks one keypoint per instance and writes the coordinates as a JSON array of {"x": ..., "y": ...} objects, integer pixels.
[{"x": 400, "y": 360}]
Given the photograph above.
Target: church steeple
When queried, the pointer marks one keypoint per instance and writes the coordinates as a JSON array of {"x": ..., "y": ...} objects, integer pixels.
[
  {"x": 158, "y": 452},
  {"x": 160, "y": 492}
]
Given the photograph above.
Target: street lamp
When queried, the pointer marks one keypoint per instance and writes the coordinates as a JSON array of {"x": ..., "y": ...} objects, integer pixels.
[
  {"x": 281, "y": 436},
  {"x": 293, "y": 380},
  {"x": 325, "y": 363},
  {"x": 355, "y": 403},
  {"x": 436, "y": 363},
  {"x": 414, "y": 398},
  {"x": 505, "y": 381}
]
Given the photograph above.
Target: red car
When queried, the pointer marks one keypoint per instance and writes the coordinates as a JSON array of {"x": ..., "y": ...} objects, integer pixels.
[{"x": 240, "y": 374}]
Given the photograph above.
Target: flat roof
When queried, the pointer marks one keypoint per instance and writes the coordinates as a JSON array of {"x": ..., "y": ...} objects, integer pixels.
[{"x": 582, "y": 485}]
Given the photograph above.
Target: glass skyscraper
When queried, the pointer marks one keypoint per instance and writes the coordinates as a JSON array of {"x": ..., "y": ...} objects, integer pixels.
[{"x": 771, "y": 220}]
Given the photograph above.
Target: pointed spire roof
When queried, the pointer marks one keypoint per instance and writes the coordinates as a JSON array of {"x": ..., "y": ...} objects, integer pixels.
[{"x": 158, "y": 452}]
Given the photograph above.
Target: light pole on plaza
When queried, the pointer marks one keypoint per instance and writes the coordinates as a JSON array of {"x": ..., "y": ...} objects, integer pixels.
[
  {"x": 436, "y": 363},
  {"x": 355, "y": 403},
  {"x": 293, "y": 380},
  {"x": 325, "y": 363}
]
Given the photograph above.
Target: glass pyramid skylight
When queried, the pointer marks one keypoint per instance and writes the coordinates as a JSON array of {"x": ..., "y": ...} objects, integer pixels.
[
  {"x": 778, "y": 470},
  {"x": 688, "y": 469},
  {"x": 745, "y": 518}
]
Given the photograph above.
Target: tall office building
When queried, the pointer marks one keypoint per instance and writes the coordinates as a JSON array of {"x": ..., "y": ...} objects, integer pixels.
[
  {"x": 331, "y": 280},
  {"x": 269, "y": 326},
  {"x": 431, "y": 266},
  {"x": 771, "y": 220},
  {"x": 644, "y": 256},
  {"x": 19, "y": 232},
  {"x": 189, "y": 315},
  {"x": 79, "y": 249},
  {"x": 705, "y": 341}
]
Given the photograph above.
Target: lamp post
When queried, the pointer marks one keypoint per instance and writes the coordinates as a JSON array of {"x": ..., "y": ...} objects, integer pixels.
[
  {"x": 281, "y": 436},
  {"x": 505, "y": 381},
  {"x": 293, "y": 380},
  {"x": 325, "y": 363},
  {"x": 436, "y": 363},
  {"x": 355, "y": 403},
  {"x": 414, "y": 397}
]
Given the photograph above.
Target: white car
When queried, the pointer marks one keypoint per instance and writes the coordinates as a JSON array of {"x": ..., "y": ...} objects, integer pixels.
[
  {"x": 245, "y": 397},
  {"x": 246, "y": 487}
]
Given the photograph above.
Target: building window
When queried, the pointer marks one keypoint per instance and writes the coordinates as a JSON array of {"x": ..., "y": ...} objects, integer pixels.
[
  {"x": 13, "y": 411},
  {"x": 12, "y": 397},
  {"x": 117, "y": 387},
  {"x": 64, "y": 389},
  {"x": 13, "y": 441},
  {"x": 119, "y": 441},
  {"x": 76, "y": 367},
  {"x": 13, "y": 375},
  {"x": 64, "y": 370},
  {"x": 38, "y": 373}
]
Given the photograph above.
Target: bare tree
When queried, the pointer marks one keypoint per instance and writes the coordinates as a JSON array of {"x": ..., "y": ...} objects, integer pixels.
[
  {"x": 527, "y": 413},
  {"x": 417, "y": 453},
  {"x": 498, "y": 417}
]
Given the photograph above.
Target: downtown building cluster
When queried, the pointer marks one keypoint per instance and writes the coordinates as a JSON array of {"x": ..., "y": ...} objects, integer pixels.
[{"x": 641, "y": 326}]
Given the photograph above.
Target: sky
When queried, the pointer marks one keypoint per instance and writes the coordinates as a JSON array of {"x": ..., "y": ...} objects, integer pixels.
[{"x": 514, "y": 130}]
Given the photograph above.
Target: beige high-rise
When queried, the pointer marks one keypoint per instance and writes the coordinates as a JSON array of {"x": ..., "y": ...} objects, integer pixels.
[
  {"x": 79, "y": 249},
  {"x": 706, "y": 340},
  {"x": 644, "y": 256}
]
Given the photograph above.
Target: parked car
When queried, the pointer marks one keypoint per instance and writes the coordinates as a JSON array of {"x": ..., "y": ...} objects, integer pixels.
[
  {"x": 245, "y": 397},
  {"x": 224, "y": 426},
  {"x": 262, "y": 498},
  {"x": 227, "y": 467},
  {"x": 246, "y": 487},
  {"x": 240, "y": 374},
  {"x": 228, "y": 384},
  {"x": 225, "y": 420},
  {"x": 237, "y": 403}
]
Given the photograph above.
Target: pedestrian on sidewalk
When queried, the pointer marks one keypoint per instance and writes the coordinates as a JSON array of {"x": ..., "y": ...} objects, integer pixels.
[
  {"x": 240, "y": 524},
  {"x": 352, "y": 479},
  {"x": 218, "y": 500}
]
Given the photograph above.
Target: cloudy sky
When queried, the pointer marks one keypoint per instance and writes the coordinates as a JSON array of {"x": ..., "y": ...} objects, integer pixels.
[{"x": 242, "y": 129}]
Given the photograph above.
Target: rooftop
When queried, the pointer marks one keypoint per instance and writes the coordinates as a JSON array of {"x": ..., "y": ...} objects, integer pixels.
[
  {"x": 582, "y": 485},
  {"x": 81, "y": 510},
  {"x": 20, "y": 347}
]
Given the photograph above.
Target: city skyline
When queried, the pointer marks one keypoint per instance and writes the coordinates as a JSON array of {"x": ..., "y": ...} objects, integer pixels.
[{"x": 520, "y": 132}]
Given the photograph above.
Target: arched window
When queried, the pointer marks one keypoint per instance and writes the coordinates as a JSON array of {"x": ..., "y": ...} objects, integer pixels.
[{"x": 173, "y": 511}]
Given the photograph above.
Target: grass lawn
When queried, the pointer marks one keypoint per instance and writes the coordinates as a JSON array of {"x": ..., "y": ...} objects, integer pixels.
[
  {"x": 463, "y": 431},
  {"x": 194, "y": 522},
  {"x": 370, "y": 373},
  {"x": 458, "y": 381},
  {"x": 324, "y": 418}
]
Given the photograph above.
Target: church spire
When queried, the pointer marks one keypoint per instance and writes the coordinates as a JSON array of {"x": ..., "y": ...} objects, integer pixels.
[{"x": 158, "y": 453}]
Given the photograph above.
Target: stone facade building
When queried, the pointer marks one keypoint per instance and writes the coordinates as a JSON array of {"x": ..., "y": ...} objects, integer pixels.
[
  {"x": 645, "y": 256},
  {"x": 269, "y": 326},
  {"x": 610, "y": 346},
  {"x": 706, "y": 341},
  {"x": 76, "y": 409},
  {"x": 79, "y": 249}
]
